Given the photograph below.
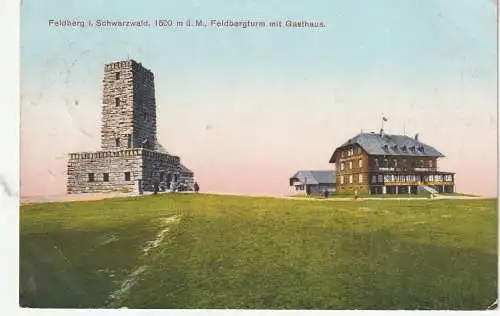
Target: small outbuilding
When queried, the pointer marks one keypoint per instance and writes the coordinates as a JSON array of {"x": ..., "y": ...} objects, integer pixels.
[{"x": 314, "y": 181}]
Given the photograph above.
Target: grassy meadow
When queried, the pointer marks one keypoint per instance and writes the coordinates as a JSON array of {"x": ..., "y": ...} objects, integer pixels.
[{"x": 208, "y": 251}]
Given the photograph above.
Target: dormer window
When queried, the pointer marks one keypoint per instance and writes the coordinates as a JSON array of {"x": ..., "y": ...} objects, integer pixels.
[
  {"x": 403, "y": 147},
  {"x": 385, "y": 147},
  {"x": 412, "y": 148},
  {"x": 421, "y": 148}
]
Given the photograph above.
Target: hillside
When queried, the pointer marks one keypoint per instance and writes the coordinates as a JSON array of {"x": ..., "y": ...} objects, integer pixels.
[{"x": 208, "y": 251}]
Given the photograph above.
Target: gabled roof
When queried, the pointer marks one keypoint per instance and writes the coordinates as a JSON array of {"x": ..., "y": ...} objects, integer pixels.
[
  {"x": 314, "y": 176},
  {"x": 377, "y": 144}
]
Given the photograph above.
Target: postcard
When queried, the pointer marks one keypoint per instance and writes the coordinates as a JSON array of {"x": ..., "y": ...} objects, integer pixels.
[{"x": 258, "y": 155}]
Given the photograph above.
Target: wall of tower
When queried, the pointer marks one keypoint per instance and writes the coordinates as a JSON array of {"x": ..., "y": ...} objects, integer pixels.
[
  {"x": 144, "y": 120},
  {"x": 159, "y": 167},
  {"x": 128, "y": 107},
  {"x": 117, "y": 106},
  {"x": 113, "y": 163}
]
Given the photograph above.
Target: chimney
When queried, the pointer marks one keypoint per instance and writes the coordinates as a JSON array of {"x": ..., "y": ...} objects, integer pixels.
[{"x": 416, "y": 136}]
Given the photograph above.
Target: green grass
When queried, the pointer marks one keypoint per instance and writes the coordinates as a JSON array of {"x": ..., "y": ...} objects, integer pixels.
[{"x": 260, "y": 253}]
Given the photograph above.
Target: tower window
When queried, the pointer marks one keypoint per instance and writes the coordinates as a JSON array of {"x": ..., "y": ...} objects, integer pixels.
[
  {"x": 129, "y": 141},
  {"x": 105, "y": 177},
  {"x": 91, "y": 177},
  {"x": 117, "y": 75},
  {"x": 145, "y": 116},
  {"x": 127, "y": 176},
  {"x": 117, "y": 142},
  {"x": 117, "y": 101}
]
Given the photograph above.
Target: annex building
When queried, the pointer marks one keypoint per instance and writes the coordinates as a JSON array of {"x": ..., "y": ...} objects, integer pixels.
[
  {"x": 313, "y": 181},
  {"x": 377, "y": 163},
  {"x": 130, "y": 157}
]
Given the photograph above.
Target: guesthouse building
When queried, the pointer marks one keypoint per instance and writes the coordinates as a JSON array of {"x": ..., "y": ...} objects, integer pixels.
[{"x": 378, "y": 163}]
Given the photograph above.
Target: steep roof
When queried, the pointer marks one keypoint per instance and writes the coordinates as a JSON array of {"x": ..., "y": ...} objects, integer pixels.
[
  {"x": 314, "y": 176},
  {"x": 377, "y": 144}
]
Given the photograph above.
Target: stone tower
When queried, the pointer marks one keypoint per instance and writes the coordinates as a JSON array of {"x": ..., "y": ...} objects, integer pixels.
[
  {"x": 128, "y": 107},
  {"x": 130, "y": 157}
]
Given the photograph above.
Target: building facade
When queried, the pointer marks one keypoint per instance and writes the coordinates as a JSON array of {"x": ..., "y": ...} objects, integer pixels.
[
  {"x": 377, "y": 163},
  {"x": 313, "y": 181},
  {"x": 129, "y": 157}
]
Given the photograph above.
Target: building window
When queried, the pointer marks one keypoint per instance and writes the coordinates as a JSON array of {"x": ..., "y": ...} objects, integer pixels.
[
  {"x": 350, "y": 164},
  {"x": 105, "y": 177},
  {"x": 359, "y": 150},
  {"x": 360, "y": 178},
  {"x": 380, "y": 178},
  {"x": 117, "y": 142},
  {"x": 386, "y": 163},
  {"x": 421, "y": 163},
  {"x": 129, "y": 141},
  {"x": 430, "y": 163},
  {"x": 91, "y": 177},
  {"x": 376, "y": 162},
  {"x": 341, "y": 179},
  {"x": 117, "y": 101},
  {"x": 342, "y": 166},
  {"x": 145, "y": 116},
  {"x": 351, "y": 178},
  {"x": 117, "y": 75},
  {"x": 403, "y": 162},
  {"x": 360, "y": 163},
  {"x": 395, "y": 162},
  {"x": 374, "y": 179},
  {"x": 127, "y": 176}
]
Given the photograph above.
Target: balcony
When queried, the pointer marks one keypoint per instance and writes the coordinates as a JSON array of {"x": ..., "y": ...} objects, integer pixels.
[{"x": 401, "y": 169}]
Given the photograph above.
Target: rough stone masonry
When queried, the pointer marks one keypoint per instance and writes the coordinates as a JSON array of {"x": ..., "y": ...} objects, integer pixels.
[{"x": 130, "y": 155}]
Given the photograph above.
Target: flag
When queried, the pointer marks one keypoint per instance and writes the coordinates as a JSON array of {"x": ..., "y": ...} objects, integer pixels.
[{"x": 384, "y": 118}]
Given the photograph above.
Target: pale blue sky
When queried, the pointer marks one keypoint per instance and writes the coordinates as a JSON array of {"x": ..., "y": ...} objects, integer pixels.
[{"x": 429, "y": 64}]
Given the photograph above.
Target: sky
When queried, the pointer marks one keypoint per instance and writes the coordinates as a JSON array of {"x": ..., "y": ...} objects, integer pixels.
[{"x": 246, "y": 108}]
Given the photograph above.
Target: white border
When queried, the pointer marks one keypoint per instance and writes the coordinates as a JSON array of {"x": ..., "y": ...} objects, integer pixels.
[{"x": 9, "y": 183}]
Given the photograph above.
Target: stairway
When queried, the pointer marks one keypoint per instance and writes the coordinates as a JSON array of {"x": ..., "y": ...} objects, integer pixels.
[{"x": 428, "y": 189}]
